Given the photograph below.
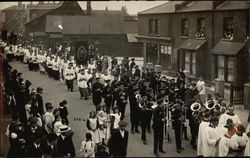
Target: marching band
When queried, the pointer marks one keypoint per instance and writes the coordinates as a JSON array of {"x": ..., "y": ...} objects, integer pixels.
[{"x": 168, "y": 103}]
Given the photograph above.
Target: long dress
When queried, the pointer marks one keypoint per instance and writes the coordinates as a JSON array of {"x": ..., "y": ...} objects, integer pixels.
[
  {"x": 117, "y": 119},
  {"x": 87, "y": 147},
  {"x": 92, "y": 124}
]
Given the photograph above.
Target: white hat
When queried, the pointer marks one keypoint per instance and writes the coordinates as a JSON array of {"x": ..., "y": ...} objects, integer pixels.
[{"x": 64, "y": 128}]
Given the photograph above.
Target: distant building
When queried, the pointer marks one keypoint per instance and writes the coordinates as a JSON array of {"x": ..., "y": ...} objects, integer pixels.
[
  {"x": 204, "y": 38},
  {"x": 112, "y": 31},
  {"x": 17, "y": 15}
]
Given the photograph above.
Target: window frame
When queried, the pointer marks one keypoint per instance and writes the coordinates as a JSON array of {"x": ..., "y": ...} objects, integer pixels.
[
  {"x": 201, "y": 21},
  {"x": 184, "y": 27},
  {"x": 228, "y": 27}
]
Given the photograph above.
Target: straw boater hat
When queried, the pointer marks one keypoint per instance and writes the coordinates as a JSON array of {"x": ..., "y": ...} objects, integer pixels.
[{"x": 64, "y": 128}]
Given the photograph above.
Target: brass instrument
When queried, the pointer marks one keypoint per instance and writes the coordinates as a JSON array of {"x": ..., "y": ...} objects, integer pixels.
[{"x": 209, "y": 105}]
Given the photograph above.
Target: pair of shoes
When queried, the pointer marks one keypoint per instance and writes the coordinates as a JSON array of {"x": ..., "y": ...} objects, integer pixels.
[
  {"x": 156, "y": 155},
  {"x": 137, "y": 131},
  {"x": 71, "y": 90},
  {"x": 178, "y": 151},
  {"x": 86, "y": 98},
  {"x": 145, "y": 142},
  {"x": 162, "y": 151}
]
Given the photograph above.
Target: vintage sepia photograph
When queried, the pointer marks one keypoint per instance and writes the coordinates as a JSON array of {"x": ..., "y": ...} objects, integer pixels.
[{"x": 124, "y": 79}]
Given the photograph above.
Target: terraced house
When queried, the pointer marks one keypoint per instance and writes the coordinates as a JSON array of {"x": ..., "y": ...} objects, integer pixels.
[{"x": 208, "y": 39}]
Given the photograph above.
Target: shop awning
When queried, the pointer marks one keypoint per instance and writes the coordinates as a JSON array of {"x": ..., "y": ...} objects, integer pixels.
[
  {"x": 192, "y": 44},
  {"x": 228, "y": 48}
]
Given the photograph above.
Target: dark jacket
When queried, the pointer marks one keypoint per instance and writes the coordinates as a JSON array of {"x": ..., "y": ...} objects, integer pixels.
[
  {"x": 40, "y": 104},
  {"x": 32, "y": 151},
  {"x": 66, "y": 146},
  {"x": 117, "y": 144}
]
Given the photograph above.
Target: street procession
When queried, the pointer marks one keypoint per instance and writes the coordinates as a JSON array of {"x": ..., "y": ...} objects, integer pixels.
[{"x": 78, "y": 99}]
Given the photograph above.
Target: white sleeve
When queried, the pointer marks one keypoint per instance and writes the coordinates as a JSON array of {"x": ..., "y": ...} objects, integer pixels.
[
  {"x": 210, "y": 141},
  {"x": 82, "y": 147}
]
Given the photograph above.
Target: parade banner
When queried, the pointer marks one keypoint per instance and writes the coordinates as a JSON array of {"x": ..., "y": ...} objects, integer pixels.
[{"x": 81, "y": 54}]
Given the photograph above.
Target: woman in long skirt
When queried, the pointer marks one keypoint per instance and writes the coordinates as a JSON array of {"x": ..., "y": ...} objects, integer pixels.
[{"x": 92, "y": 125}]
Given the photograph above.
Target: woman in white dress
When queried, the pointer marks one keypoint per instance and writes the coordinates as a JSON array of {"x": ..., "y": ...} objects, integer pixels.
[
  {"x": 92, "y": 125},
  {"x": 87, "y": 148},
  {"x": 115, "y": 118}
]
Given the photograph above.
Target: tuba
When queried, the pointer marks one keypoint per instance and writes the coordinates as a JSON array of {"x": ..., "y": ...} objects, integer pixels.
[
  {"x": 209, "y": 105},
  {"x": 195, "y": 107}
]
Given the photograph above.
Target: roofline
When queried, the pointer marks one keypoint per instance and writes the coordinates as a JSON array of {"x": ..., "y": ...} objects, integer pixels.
[{"x": 154, "y": 7}]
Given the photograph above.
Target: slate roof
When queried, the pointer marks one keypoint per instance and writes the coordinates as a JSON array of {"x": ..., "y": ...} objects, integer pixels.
[
  {"x": 192, "y": 6},
  {"x": 169, "y": 7},
  {"x": 228, "y": 48},
  {"x": 196, "y": 6},
  {"x": 234, "y": 5}
]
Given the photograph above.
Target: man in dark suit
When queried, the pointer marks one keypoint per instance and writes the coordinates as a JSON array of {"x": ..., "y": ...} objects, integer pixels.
[
  {"x": 158, "y": 126},
  {"x": 40, "y": 100},
  {"x": 119, "y": 141},
  {"x": 65, "y": 144},
  {"x": 33, "y": 131},
  {"x": 97, "y": 92},
  {"x": 34, "y": 150},
  {"x": 48, "y": 146}
]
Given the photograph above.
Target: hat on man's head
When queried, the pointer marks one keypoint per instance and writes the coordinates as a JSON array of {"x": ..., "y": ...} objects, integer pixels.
[
  {"x": 33, "y": 91},
  {"x": 122, "y": 123},
  {"x": 39, "y": 89},
  {"x": 64, "y": 128},
  {"x": 33, "y": 120}
]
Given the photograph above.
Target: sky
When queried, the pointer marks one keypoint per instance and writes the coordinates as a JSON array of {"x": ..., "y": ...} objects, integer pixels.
[{"x": 133, "y": 7}]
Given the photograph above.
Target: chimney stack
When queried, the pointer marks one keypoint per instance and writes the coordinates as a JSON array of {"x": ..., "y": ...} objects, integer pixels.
[{"x": 89, "y": 8}]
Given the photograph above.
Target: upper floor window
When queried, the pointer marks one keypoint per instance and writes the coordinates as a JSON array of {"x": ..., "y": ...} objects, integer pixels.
[
  {"x": 154, "y": 26},
  {"x": 228, "y": 28},
  {"x": 200, "y": 28},
  {"x": 184, "y": 27}
]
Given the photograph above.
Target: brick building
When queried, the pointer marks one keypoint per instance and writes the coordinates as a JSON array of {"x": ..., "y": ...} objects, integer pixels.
[
  {"x": 112, "y": 31},
  {"x": 197, "y": 36},
  {"x": 17, "y": 15}
]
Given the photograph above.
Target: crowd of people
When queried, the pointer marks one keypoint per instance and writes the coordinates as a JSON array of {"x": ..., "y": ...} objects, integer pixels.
[{"x": 156, "y": 102}]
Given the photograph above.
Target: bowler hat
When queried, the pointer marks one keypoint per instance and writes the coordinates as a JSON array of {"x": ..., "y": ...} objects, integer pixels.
[
  {"x": 33, "y": 120},
  {"x": 122, "y": 123}
]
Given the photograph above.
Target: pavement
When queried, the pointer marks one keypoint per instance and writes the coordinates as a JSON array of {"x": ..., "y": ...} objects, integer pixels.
[{"x": 56, "y": 91}]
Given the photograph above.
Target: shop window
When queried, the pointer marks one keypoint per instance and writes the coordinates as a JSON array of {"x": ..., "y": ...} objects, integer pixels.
[
  {"x": 230, "y": 66},
  {"x": 184, "y": 27},
  {"x": 228, "y": 28},
  {"x": 221, "y": 67},
  {"x": 166, "y": 49},
  {"x": 200, "y": 28}
]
